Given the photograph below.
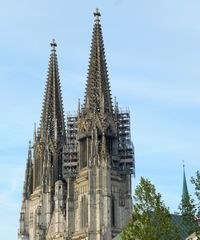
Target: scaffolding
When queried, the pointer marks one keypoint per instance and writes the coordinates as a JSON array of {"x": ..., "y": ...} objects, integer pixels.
[
  {"x": 71, "y": 153},
  {"x": 126, "y": 164},
  {"x": 126, "y": 147}
]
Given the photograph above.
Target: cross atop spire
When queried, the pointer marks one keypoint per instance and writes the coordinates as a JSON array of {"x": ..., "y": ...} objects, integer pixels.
[
  {"x": 97, "y": 15},
  {"x": 53, "y": 44}
]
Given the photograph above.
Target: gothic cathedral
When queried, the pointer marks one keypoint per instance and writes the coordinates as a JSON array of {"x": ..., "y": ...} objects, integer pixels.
[{"x": 78, "y": 173}]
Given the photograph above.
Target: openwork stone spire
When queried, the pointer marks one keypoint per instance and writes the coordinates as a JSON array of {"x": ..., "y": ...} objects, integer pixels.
[
  {"x": 52, "y": 119},
  {"x": 98, "y": 96}
]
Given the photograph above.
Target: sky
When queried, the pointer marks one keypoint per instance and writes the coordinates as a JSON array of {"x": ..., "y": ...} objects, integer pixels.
[{"x": 153, "y": 55}]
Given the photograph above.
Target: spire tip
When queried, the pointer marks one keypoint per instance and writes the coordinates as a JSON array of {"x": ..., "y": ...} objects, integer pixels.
[
  {"x": 97, "y": 14},
  {"x": 53, "y": 44},
  {"x": 183, "y": 164}
]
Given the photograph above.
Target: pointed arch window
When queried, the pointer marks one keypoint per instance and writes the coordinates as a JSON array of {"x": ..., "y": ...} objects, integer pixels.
[
  {"x": 83, "y": 153},
  {"x": 112, "y": 211},
  {"x": 84, "y": 211}
]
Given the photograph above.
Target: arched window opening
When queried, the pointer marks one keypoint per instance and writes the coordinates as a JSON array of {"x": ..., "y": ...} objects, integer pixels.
[
  {"x": 109, "y": 145},
  {"x": 112, "y": 211},
  {"x": 83, "y": 153},
  {"x": 84, "y": 211},
  {"x": 51, "y": 157}
]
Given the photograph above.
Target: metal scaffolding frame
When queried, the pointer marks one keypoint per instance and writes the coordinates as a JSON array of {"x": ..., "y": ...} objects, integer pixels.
[
  {"x": 125, "y": 146},
  {"x": 71, "y": 153}
]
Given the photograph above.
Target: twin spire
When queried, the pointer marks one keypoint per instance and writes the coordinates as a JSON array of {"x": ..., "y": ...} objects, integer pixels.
[
  {"x": 98, "y": 96},
  {"x": 52, "y": 118}
]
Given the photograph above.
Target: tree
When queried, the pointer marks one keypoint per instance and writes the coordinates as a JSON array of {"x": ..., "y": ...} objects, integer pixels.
[
  {"x": 196, "y": 182},
  {"x": 188, "y": 214},
  {"x": 188, "y": 209},
  {"x": 151, "y": 218}
]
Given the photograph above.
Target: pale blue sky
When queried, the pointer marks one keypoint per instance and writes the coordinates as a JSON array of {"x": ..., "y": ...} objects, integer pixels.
[{"x": 153, "y": 55}]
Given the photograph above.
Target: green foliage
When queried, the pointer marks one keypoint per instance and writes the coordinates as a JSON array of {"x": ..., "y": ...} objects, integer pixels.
[
  {"x": 151, "y": 218},
  {"x": 196, "y": 182},
  {"x": 188, "y": 214}
]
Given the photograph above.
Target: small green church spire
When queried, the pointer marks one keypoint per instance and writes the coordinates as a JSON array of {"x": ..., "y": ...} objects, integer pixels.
[{"x": 185, "y": 193}]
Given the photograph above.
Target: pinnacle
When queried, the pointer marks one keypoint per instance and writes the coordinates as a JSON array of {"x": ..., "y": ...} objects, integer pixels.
[{"x": 27, "y": 182}]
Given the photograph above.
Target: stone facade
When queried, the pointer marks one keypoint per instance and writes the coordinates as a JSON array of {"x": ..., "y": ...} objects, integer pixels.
[
  {"x": 193, "y": 236},
  {"x": 87, "y": 196}
]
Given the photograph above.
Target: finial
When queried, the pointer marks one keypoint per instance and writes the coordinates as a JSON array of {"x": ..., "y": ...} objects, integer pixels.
[
  {"x": 29, "y": 144},
  {"x": 115, "y": 102},
  {"x": 116, "y": 106},
  {"x": 38, "y": 131},
  {"x": 97, "y": 14},
  {"x": 79, "y": 107},
  {"x": 35, "y": 134},
  {"x": 53, "y": 44},
  {"x": 183, "y": 164},
  {"x": 29, "y": 151}
]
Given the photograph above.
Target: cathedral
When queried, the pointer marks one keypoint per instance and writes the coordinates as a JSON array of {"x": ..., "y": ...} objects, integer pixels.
[{"x": 78, "y": 173}]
